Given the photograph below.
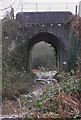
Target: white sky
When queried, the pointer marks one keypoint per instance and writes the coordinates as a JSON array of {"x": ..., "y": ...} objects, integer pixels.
[
  {"x": 38, "y": 5},
  {"x": 52, "y": 0}
]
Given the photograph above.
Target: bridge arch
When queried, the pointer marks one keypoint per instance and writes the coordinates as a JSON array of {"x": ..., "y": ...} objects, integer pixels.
[{"x": 48, "y": 38}]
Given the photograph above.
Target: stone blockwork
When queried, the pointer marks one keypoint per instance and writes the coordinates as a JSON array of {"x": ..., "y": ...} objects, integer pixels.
[{"x": 49, "y": 27}]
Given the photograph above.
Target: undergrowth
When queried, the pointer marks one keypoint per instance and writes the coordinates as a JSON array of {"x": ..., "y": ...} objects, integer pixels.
[
  {"x": 15, "y": 83},
  {"x": 60, "y": 100}
]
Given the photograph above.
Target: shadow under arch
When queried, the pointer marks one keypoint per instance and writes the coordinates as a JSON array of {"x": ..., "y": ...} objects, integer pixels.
[{"x": 48, "y": 38}]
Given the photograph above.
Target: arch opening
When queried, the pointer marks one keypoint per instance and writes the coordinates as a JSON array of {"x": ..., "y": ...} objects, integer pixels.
[
  {"x": 49, "y": 39},
  {"x": 43, "y": 55}
]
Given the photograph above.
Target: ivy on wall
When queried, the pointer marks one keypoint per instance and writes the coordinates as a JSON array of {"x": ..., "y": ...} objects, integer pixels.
[{"x": 73, "y": 51}]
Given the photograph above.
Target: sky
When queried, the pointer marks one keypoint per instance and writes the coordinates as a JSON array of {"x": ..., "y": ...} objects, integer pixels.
[
  {"x": 53, "y": 0},
  {"x": 37, "y": 5}
]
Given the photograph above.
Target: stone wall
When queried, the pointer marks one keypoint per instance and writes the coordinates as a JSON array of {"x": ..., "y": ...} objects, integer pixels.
[{"x": 49, "y": 27}]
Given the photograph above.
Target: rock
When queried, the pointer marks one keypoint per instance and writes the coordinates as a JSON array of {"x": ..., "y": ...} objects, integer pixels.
[{"x": 37, "y": 91}]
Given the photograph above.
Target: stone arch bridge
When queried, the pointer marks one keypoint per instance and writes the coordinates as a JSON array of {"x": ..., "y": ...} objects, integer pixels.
[{"x": 49, "y": 27}]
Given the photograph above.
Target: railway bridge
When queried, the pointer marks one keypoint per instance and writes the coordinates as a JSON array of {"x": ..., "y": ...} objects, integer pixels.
[{"x": 49, "y": 27}]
